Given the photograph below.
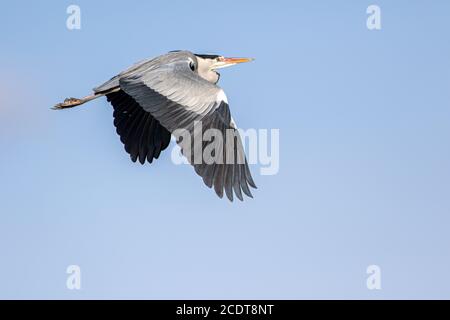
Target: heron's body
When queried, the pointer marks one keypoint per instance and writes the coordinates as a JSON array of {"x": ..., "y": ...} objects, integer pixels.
[{"x": 157, "y": 97}]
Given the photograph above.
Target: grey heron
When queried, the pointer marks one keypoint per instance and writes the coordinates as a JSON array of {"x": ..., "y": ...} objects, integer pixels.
[{"x": 154, "y": 98}]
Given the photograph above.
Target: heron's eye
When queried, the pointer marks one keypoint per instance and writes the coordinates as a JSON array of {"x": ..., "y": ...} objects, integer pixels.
[{"x": 192, "y": 65}]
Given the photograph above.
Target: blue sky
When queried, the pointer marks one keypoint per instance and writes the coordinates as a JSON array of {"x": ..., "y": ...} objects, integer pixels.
[{"x": 364, "y": 159}]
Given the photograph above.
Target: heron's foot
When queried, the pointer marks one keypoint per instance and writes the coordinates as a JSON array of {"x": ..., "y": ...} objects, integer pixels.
[{"x": 68, "y": 103}]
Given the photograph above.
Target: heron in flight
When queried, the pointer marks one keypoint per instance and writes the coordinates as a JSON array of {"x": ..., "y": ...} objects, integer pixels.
[{"x": 157, "y": 97}]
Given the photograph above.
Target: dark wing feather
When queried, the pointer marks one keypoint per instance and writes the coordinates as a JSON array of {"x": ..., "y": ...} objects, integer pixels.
[
  {"x": 224, "y": 175},
  {"x": 142, "y": 135}
]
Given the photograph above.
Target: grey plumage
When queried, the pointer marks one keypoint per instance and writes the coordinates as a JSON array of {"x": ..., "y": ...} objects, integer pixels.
[{"x": 154, "y": 98}]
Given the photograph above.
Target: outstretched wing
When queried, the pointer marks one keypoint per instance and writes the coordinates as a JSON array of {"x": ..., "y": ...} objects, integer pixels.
[
  {"x": 179, "y": 98},
  {"x": 142, "y": 135}
]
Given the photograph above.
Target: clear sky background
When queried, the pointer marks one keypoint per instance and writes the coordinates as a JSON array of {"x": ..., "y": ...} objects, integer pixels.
[{"x": 364, "y": 153}]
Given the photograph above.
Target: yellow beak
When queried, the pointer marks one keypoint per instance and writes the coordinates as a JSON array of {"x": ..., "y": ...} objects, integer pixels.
[{"x": 228, "y": 62}]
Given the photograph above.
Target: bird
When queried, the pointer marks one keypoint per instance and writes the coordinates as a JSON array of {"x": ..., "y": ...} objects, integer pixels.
[{"x": 176, "y": 94}]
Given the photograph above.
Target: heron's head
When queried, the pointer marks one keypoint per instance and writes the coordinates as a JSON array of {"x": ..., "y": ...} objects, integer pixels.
[{"x": 208, "y": 64}]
